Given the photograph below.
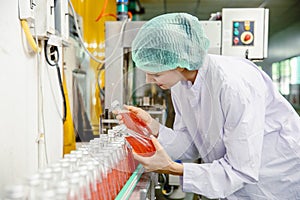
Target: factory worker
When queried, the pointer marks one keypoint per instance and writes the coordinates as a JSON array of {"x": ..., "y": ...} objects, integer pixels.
[{"x": 228, "y": 113}]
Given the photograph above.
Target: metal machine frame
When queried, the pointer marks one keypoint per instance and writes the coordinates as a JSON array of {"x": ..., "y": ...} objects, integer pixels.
[{"x": 114, "y": 51}]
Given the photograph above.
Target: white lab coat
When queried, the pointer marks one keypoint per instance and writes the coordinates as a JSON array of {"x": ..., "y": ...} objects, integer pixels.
[{"x": 247, "y": 134}]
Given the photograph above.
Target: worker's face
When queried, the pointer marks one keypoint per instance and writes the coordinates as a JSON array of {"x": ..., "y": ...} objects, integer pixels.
[{"x": 166, "y": 79}]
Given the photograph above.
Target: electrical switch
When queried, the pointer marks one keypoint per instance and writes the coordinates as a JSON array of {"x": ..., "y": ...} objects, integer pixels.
[{"x": 246, "y": 37}]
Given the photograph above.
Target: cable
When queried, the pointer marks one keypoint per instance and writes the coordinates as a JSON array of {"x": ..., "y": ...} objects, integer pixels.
[
  {"x": 56, "y": 59},
  {"x": 110, "y": 15},
  {"x": 53, "y": 49},
  {"x": 102, "y": 11},
  {"x": 102, "y": 14},
  {"x": 163, "y": 190},
  {"x": 62, "y": 92},
  {"x": 101, "y": 91},
  {"x": 41, "y": 138},
  {"x": 32, "y": 43},
  {"x": 129, "y": 15},
  {"x": 57, "y": 107}
]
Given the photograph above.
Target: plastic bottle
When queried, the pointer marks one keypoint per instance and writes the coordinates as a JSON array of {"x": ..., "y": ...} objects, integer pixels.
[
  {"x": 139, "y": 132},
  {"x": 111, "y": 135}
]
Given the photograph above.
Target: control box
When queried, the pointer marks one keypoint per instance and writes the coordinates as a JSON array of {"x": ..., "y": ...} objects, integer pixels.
[
  {"x": 44, "y": 18},
  {"x": 245, "y": 32}
]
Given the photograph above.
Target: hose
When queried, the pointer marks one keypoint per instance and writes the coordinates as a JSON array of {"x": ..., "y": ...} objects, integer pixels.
[{"x": 29, "y": 36}]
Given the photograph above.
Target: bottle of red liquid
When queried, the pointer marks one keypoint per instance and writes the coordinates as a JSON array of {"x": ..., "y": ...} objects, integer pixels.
[{"x": 139, "y": 133}]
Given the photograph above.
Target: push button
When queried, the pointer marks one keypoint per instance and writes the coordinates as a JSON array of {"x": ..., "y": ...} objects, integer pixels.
[
  {"x": 236, "y": 40},
  {"x": 246, "y": 37},
  {"x": 236, "y": 24},
  {"x": 247, "y": 25},
  {"x": 236, "y": 32}
]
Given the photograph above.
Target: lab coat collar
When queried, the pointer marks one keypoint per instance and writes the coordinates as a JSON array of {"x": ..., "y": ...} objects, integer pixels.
[{"x": 199, "y": 78}]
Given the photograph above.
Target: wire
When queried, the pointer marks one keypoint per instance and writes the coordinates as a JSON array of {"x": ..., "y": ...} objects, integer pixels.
[
  {"x": 129, "y": 15},
  {"x": 163, "y": 190},
  {"x": 41, "y": 138},
  {"x": 102, "y": 11},
  {"x": 102, "y": 14},
  {"x": 62, "y": 92},
  {"x": 57, "y": 107},
  {"x": 102, "y": 93},
  {"x": 110, "y": 15},
  {"x": 55, "y": 64},
  {"x": 54, "y": 49}
]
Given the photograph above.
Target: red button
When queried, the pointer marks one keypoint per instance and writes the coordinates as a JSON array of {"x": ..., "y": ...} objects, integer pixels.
[{"x": 247, "y": 37}]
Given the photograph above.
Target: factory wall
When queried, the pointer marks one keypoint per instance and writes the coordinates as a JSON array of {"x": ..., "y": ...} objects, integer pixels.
[{"x": 19, "y": 102}]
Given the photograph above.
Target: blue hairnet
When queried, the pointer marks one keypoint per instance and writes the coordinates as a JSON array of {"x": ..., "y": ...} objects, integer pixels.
[{"x": 170, "y": 41}]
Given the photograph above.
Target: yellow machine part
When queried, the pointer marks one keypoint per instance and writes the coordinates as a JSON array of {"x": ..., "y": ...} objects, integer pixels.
[
  {"x": 94, "y": 37},
  {"x": 69, "y": 132}
]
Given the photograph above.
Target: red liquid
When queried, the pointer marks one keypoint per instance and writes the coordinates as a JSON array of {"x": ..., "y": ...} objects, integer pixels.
[
  {"x": 120, "y": 172},
  {"x": 111, "y": 182},
  {"x": 94, "y": 193},
  {"x": 135, "y": 124},
  {"x": 141, "y": 144},
  {"x": 130, "y": 161},
  {"x": 143, "y": 147},
  {"x": 116, "y": 180},
  {"x": 106, "y": 187},
  {"x": 100, "y": 188}
]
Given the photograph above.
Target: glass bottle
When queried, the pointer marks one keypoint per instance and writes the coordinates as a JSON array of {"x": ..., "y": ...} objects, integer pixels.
[{"x": 138, "y": 131}]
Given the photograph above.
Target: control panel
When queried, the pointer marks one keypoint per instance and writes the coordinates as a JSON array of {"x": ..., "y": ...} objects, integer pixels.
[{"x": 242, "y": 33}]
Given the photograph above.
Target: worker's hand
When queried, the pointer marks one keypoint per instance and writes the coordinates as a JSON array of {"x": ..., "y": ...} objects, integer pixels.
[
  {"x": 160, "y": 162},
  {"x": 144, "y": 116}
]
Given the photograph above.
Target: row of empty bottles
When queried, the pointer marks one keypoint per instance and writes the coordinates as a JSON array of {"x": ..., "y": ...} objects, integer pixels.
[{"x": 95, "y": 171}]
